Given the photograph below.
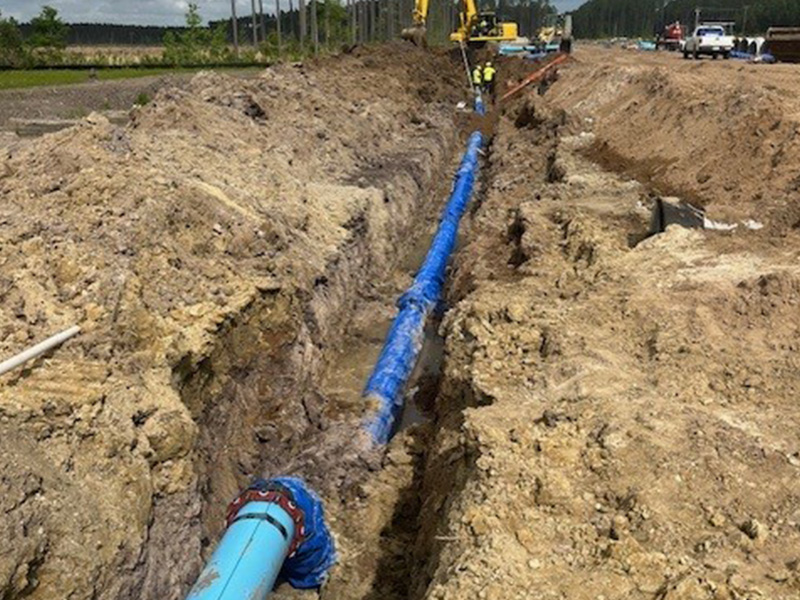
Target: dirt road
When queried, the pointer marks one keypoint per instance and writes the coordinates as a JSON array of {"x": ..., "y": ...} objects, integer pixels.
[
  {"x": 613, "y": 415},
  {"x": 77, "y": 101}
]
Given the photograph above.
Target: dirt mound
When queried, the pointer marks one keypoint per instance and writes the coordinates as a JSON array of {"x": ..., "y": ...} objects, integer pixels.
[
  {"x": 722, "y": 136},
  {"x": 212, "y": 251},
  {"x": 616, "y": 420}
]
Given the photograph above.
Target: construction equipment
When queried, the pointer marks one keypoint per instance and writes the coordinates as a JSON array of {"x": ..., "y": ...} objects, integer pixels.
[
  {"x": 784, "y": 43},
  {"x": 475, "y": 28},
  {"x": 556, "y": 34},
  {"x": 671, "y": 37}
]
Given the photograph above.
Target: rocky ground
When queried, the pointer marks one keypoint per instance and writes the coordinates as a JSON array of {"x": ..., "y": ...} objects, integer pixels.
[
  {"x": 618, "y": 414},
  {"x": 612, "y": 417},
  {"x": 213, "y": 250}
]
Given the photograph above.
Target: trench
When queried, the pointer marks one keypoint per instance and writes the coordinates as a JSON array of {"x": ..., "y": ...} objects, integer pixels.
[
  {"x": 280, "y": 393},
  {"x": 389, "y": 512},
  {"x": 410, "y": 523},
  {"x": 387, "y": 533}
]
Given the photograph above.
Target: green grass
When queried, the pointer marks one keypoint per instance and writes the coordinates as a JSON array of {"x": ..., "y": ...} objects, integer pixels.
[{"x": 35, "y": 78}]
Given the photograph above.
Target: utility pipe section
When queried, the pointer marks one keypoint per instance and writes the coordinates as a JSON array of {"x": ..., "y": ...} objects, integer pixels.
[
  {"x": 38, "y": 349},
  {"x": 536, "y": 76},
  {"x": 404, "y": 341},
  {"x": 275, "y": 530},
  {"x": 480, "y": 108}
]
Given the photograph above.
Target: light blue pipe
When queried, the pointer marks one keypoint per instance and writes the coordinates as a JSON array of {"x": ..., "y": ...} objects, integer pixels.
[
  {"x": 276, "y": 531},
  {"x": 247, "y": 561},
  {"x": 404, "y": 341}
]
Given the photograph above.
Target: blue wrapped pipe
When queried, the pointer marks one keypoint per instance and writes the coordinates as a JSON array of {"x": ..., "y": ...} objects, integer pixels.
[
  {"x": 267, "y": 541},
  {"x": 276, "y": 529},
  {"x": 480, "y": 108},
  {"x": 404, "y": 341}
]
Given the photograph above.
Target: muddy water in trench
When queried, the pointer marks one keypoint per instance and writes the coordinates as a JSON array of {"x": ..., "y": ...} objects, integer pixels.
[{"x": 352, "y": 366}]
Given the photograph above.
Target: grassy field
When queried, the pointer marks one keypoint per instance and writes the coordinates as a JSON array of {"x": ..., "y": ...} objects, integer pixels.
[{"x": 35, "y": 78}]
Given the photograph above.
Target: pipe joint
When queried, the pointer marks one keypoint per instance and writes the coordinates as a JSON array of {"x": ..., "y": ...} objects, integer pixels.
[
  {"x": 276, "y": 532},
  {"x": 270, "y": 492}
]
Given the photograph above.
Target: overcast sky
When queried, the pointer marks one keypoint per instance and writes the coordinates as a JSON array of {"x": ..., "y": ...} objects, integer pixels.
[{"x": 146, "y": 12}]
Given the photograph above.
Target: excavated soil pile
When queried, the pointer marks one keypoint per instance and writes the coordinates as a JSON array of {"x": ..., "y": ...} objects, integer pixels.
[
  {"x": 213, "y": 251},
  {"x": 617, "y": 420},
  {"x": 725, "y": 135}
]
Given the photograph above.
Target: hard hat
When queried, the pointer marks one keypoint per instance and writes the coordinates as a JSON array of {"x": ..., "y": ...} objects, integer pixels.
[{"x": 488, "y": 63}]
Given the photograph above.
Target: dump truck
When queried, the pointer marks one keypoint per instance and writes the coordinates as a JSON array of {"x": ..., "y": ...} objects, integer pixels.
[{"x": 784, "y": 43}]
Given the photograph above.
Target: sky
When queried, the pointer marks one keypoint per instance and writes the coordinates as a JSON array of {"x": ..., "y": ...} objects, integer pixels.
[{"x": 147, "y": 12}]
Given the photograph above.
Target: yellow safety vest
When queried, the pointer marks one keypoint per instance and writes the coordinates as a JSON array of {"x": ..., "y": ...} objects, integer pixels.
[
  {"x": 477, "y": 76},
  {"x": 488, "y": 73}
]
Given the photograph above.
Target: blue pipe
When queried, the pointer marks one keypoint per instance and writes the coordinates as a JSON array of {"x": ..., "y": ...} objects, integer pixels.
[
  {"x": 276, "y": 530},
  {"x": 404, "y": 341},
  {"x": 480, "y": 108},
  {"x": 248, "y": 559}
]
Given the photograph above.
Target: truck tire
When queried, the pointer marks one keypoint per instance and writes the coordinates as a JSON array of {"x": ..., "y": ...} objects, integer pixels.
[
  {"x": 726, "y": 55},
  {"x": 685, "y": 55},
  {"x": 714, "y": 55}
]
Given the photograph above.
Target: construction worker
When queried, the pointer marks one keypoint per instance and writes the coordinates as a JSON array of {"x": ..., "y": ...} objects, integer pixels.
[
  {"x": 477, "y": 76},
  {"x": 489, "y": 73}
]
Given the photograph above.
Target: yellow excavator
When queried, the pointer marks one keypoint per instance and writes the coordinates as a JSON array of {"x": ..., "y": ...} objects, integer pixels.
[{"x": 475, "y": 28}]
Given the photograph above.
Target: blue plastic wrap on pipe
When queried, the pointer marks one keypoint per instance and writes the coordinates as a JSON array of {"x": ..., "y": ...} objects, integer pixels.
[
  {"x": 276, "y": 531},
  {"x": 404, "y": 341},
  {"x": 480, "y": 108}
]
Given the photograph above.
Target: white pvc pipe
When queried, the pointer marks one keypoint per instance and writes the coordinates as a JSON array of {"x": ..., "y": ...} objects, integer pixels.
[{"x": 38, "y": 349}]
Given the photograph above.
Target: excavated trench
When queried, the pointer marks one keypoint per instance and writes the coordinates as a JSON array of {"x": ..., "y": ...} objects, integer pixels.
[
  {"x": 284, "y": 396},
  {"x": 559, "y": 368},
  {"x": 428, "y": 541},
  {"x": 389, "y": 512},
  {"x": 510, "y": 454}
]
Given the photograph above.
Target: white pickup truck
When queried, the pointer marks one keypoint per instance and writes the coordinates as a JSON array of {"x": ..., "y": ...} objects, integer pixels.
[{"x": 708, "y": 39}]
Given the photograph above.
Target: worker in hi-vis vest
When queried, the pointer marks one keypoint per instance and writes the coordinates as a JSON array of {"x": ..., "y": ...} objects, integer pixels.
[
  {"x": 489, "y": 73},
  {"x": 477, "y": 76}
]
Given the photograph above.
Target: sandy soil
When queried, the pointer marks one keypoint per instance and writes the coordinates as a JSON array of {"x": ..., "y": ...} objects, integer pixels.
[
  {"x": 721, "y": 133},
  {"x": 618, "y": 416},
  {"x": 213, "y": 250},
  {"x": 615, "y": 413}
]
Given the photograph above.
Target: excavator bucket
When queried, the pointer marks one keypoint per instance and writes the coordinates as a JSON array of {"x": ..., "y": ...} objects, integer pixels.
[
  {"x": 784, "y": 43},
  {"x": 418, "y": 35}
]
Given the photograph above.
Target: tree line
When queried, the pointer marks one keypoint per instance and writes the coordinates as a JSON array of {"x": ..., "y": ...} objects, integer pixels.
[
  {"x": 644, "y": 18},
  {"x": 298, "y": 27}
]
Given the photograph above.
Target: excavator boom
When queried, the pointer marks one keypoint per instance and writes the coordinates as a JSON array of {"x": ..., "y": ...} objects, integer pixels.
[
  {"x": 473, "y": 28},
  {"x": 418, "y": 32}
]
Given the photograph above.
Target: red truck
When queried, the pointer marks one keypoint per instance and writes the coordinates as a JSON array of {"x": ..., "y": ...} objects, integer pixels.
[{"x": 671, "y": 38}]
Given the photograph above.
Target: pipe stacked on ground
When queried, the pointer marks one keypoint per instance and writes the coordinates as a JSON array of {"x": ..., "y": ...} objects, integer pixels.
[{"x": 404, "y": 342}]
